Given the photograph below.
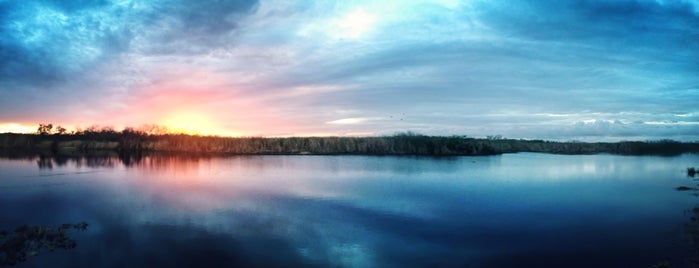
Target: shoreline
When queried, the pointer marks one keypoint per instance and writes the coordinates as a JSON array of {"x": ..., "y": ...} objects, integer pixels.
[{"x": 402, "y": 144}]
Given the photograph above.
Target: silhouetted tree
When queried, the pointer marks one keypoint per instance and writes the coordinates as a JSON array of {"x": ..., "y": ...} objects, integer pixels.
[
  {"x": 60, "y": 130},
  {"x": 45, "y": 129},
  {"x": 92, "y": 130},
  {"x": 129, "y": 131},
  {"x": 77, "y": 131},
  {"x": 108, "y": 130},
  {"x": 153, "y": 129}
]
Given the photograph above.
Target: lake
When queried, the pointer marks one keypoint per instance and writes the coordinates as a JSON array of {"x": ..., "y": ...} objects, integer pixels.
[{"x": 512, "y": 210}]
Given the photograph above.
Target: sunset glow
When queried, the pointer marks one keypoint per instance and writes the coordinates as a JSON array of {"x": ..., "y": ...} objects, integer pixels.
[
  {"x": 609, "y": 70},
  {"x": 16, "y": 128},
  {"x": 362, "y": 133},
  {"x": 193, "y": 124}
]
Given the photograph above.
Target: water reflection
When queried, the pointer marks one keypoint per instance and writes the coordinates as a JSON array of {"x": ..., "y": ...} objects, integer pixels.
[
  {"x": 109, "y": 159},
  {"x": 186, "y": 161},
  {"x": 691, "y": 227},
  {"x": 354, "y": 211}
]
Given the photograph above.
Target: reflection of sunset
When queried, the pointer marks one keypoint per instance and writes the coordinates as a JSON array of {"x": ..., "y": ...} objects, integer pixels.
[
  {"x": 184, "y": 183},
  {"x": 194, "y": 183}
]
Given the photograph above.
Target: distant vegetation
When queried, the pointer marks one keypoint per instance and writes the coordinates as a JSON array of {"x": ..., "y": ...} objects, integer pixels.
[{"x": 153, "y": 139}]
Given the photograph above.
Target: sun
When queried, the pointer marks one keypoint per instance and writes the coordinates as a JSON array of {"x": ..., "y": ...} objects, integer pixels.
[
  {"x": 354, "y": 24},
  {"x": 191, "y": 123}
]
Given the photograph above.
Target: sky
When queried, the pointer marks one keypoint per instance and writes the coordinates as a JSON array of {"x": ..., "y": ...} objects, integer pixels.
[{"x": 558, "y": 70}]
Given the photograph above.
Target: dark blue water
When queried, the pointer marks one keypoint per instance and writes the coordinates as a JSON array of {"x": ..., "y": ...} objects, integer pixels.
[{"x": 514, "y": 210}]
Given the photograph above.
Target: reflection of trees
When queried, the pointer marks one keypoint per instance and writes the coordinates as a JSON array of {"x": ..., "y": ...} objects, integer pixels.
[
  {"x": 155, "y": 161},
  {"x": 27, "y": 241},
  {"x": 45, "y": 162},
  {"x": 48, "y": 161},
  {"x": 97, "y": 161},
  {"x": 130, "y": 159}
]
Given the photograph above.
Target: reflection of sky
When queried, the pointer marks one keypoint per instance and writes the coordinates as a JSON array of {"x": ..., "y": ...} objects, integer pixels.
[{"x": 358, "y": 211}]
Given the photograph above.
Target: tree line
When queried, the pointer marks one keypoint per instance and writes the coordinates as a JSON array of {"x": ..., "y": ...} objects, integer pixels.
[{"x": 153, "y": 138}]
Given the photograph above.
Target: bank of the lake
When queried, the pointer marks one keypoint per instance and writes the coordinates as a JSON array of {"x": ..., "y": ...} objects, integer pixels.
[{"x": 401, "y": 144}]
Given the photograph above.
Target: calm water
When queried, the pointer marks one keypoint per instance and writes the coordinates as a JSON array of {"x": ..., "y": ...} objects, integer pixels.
[{"x": 514, "y": 210}]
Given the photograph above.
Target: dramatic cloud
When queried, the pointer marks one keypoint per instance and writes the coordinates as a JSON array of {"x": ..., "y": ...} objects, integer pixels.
[{"x": 597, "y": 70}]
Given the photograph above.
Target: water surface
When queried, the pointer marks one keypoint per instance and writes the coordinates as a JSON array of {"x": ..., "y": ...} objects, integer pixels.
[{"x": 512, "y": 210}]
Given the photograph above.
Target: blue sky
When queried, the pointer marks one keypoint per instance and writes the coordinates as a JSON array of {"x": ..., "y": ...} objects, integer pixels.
[{"x": 563, "y": 70}]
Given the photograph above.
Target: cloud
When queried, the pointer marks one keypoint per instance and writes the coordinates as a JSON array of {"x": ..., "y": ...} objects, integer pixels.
[
  {"x": 194, "y": 27},
  {"x": 353, "y": 120},
  {"x": 455, "y": 67},
  {"x": 617, "y": 24},
  {"x": 517, "y": 66},
  {"x": 48, "y": 42},
  {"x": 45, "y": 43}
]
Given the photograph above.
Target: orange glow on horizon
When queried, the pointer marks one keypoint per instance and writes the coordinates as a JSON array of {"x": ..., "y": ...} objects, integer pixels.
[
  {"x": 17, "y": 128},
  {"x": 187, "y": 101},
  {"x": 193, "y": 123}
]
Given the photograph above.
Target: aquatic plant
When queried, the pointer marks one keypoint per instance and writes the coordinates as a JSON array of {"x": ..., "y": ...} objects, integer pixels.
[
  {"x": 685, "y": 188},
  {"x": 27, "y": 241}
]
